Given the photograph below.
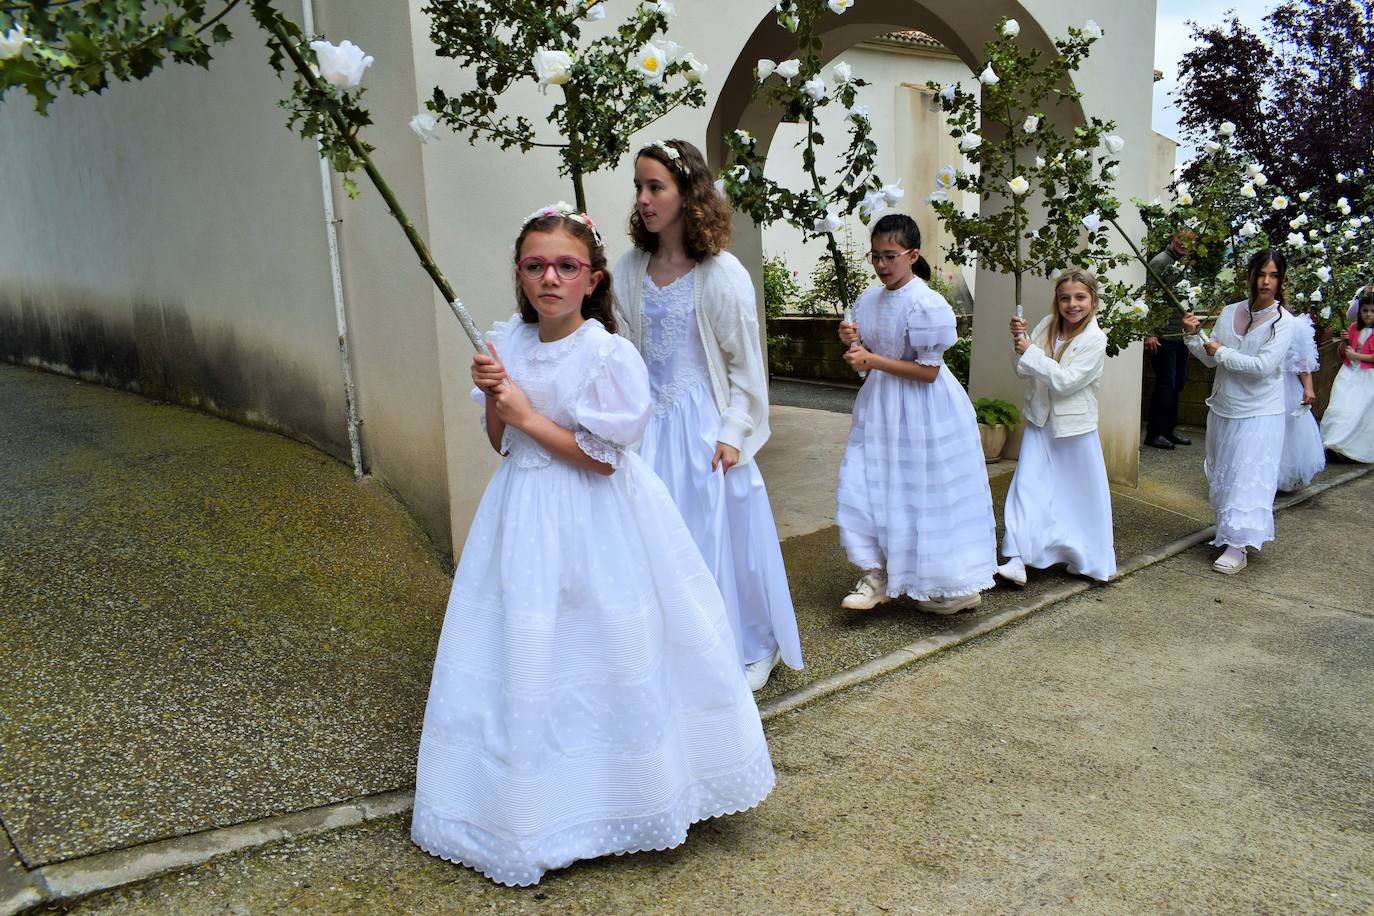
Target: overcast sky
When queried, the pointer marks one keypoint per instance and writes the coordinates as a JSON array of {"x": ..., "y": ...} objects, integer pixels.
[{"x": 1172, "y": 41}]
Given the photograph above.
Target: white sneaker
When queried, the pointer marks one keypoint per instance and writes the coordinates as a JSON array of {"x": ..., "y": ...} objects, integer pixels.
[
  {"x": 951, "y": 605},
  {"x": 757, "y": 673},
  {"x": 1014, "y": 571},
  {"x": 869, "y": 592}
]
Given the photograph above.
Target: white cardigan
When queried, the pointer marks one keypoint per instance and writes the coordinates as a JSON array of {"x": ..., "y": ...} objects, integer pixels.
[
  {"x": 1249, "y": 379},
  {"x": 1064, "y": 393},
  {"x": 729, "y": 327}
]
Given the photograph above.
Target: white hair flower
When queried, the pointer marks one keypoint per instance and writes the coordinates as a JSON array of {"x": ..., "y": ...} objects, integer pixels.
[{"x": 893, "y": 193}]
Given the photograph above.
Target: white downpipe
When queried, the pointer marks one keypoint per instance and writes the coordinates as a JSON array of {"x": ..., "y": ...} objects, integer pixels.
[{"x": 331, "y": 228}]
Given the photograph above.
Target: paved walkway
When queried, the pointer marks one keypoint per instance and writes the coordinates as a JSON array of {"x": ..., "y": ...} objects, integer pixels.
[{"x": 206, "y": 625}]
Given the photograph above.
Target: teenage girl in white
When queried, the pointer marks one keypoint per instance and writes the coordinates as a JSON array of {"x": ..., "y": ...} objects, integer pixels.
[
  {"x": 688, "y": 305},
  {"x": 914, "y": 507},
  {"x": 1059, "y": 507},
  {"x": 1245, "y": 422},
  {"x": 1348, "y": 424},
  {"x": 585, "y": 698},
  {"x": 1304, "y": 457}
]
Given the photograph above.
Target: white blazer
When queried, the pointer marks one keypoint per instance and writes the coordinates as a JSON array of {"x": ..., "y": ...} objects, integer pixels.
[
  {"x": 1064, "y": 393},
  {"x": 728, "y": 322}
]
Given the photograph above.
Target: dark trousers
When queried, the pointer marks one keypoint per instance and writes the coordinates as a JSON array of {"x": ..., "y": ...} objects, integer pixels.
[{"x": 1171, "y": 371}]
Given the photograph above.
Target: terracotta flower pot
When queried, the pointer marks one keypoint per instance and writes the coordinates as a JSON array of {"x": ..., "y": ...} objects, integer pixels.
[{"x": 994, "y": 440}]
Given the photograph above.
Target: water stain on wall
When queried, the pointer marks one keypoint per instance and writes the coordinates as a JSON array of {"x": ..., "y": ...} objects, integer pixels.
[{"x": 159, "y": 354}]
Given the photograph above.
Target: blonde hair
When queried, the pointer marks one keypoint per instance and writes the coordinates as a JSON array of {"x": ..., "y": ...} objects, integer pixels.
[{"x": 1056, "y": 325}]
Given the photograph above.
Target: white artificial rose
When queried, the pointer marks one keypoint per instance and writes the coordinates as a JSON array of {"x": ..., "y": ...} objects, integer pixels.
[
  {"x": 1039, "y": 162},
  {"x": 1260, "y": 180},
  {"x": 1157, "y": 202},
  {"x": 1324, "y": 274},
  {"x": 949, "y": 92},
  {"x": 672, "y": 51},
  {"x": 764, "y": 68},
  {"x": 1294, "y": 224},
  {"x": 1340, "y": 177},
  {"x": 1092, "y": 222},
  {"x": 1018, "y": 185},
  {"x": 596, "y": 12},
  {"x": 665, "y": 8},
  {"x": 1111, "y": 171},
  {"x": 1247, "y": 190},
  {"x": 1320, "y": 246},
  {"x": 843, "y": 73},
  {"x": 1325, "y": 312},
  {"x": 1303, "y": 220},
  {"x": 552, "y": 68},
  {"x": 1253, "y": 169},
  {"x": 969, "y": 142},
  {"x": 1113, "y": 143},
  {"x": 341, "y": 65},
  {"x": 937, "y": 197},
  {"x": 424, "y": 125},
  {"x": 1139, "y": 308},
  {"x": 1092, "y": 29},
  {"x": 788, "y": 69},
  {"x": 12, "y": 43},
  {"x": 1185, "y": 199},
  {"x": 741, "y": 173},
  {"x": 1295, "y": 240},
  {"x": 695, "y": 68},
  {"x": 744, "y": 135},
  {"x": 1011, "y": 28},
  {"x": 649, "y": 63},
  {"x": 839, "y": 6},
  {"x": 814, "y": 88},
  {"x": 1349, "y": 235},
  {"x": 1226, "y": 129},
  {"x": 720, "y": 186},
  {"x": 1080, "y": 154},
  {"x": 859, "y": 112},
  {"x": 1212, "y": 146},
  {"x": 1280, "y": 203},
  {"x": 1031, "y": 124},
  {"x": 1355, "y": 223},
  {"x": 1305, "y": 196},
  {"x": 988, "y": 77},
  {"x": 946, "y": 177},
  {"x": 873, "y": 202},
  {"x": 828, "y": 223},
  {"x": 1249, "y": 230},
  {"x": 893, "y": 193},
  {"x": 1317, "y": 295}
]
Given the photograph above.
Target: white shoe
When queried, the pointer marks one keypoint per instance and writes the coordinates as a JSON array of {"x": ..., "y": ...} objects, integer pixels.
[
  {"x": 869, "y": 592},
  {"x": 757, "y": 673},
  {"x": 1014, "y": 571},
  {"x": 951, "y": 605},
  {"x": 1228, "y": 565}
]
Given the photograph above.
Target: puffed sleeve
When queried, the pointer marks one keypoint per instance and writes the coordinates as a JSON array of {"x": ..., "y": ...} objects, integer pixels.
[
  {"x": 613, "y": 406},
  {"x": 930, "y": 328},
  {"x": 1302, "y": 350}
]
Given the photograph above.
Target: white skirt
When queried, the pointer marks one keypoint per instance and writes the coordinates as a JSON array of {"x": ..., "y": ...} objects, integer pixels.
[
  {"x": 1304, "y": 457},
  {"x": 731, "y": 522},
  {"x": 1348, "y": 424},
  {"x": 1242, "y": 467},
  {"x": 1059, "y": 507},
  {"x": 586, "y": 697},
  {"x": 913, "y": 495}
]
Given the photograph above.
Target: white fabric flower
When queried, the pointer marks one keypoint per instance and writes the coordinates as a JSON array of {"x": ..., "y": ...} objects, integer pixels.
[
  {"x": 1093, "y": 221},
  {"x": 1320, "y": 246},
  {"x": 1349, "y": 234},
  {"x": 828, "y": 223},
  {"x": 650, "y": 62},
  {"x": 744, "y": 135},
  {"x": 1018, "y": 185},
  {"x": 988, "y": 77},
  {"x": 341, "y": 65},
  {"x": 946, "y": 178},
  {"x": 1260, "y": 180},
  {"x": 969, "y": 142},
  {"x": 893, "y": 193},
  {"x": 1295, "y": 240},
  {"x": 1355, "y": 223},
  {"x": 1249, "y": 230},
  {"x": 1011, "y": 28},
  {"x": 859, "y": 113},
  {"x": 1317, "y": 295},
  {"x": 839, "y": 6},
  {"x": 764, "y": 68},
  {"x": 741, "y": 173},
  {"x": 1253, "y": 169},
  {"x": 1226, "y": 129},
  {"x": 665, "y": 8},
  {"x": 1324, "y": 274},
  {"x": 1247, "y": 190},
  {"x": 424, "y": 125},
  {"x": 1280, "y": 203},
  {"x": 552, "y": 68},
  {"x": 949, "y": 92},
  {"x": 1039, "y": 162},
  {"x": 1031, "y": 124},
  {"x": 695, "y": 68},
  {"x": 1111, "y": 171},
  {"x": 1080, "y": 154},
  {"x": 1340, "y": 177},
  {"x": 1305, "y": 196},
  {"x": 12, "y": 43},
  {"x": 1113, "y": 143},
  {"x": 1185, "y": 199},
  {"x": 842, "y": 73},
  {"x": 1344, "y": 206},
  {"x": 1139, "y": 308},
  {"x": 873, "y": 202},
  {"x": 1325, "y": 312},
  {"x": 788, "y": 69},
  {"x": 596, "y": 12},
  {"x": 1212, "y": 146},
  {"x": 1157, "y": 202},
  {"x": 814, "y": 88},
  {"x": 1092, "y": 29},
  {"x": 937, "y": 197}
]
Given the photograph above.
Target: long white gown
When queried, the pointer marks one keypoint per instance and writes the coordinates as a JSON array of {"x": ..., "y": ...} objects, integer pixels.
[
  {"x": 1348, "y": 424},
  {"x": 728, "y": 514},
  {"x": 913, "y": 495},
  {"x": 586, "y": 696},
  {"x": 1304, "y": 457}
]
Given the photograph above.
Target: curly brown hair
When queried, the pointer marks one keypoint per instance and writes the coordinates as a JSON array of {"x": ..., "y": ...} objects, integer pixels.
[
  {"x": 708, "y": 219},
  {"x": 598, "y": 303}
]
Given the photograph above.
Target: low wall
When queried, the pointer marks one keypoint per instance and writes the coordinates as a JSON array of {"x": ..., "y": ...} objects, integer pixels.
[{"x": 808, "y": 347}]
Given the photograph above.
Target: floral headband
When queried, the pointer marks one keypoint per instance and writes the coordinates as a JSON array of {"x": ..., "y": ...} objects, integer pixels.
[
  {"x": 673, "y": 154},
  {"x": 567, "y": 211}
]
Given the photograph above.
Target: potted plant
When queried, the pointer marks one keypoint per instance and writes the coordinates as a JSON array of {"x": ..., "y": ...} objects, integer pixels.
[{"x": 996, "y": 420}]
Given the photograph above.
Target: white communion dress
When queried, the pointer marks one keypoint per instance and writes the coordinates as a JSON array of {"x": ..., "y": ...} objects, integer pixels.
[
  {"x": 1304, "y": 456},
  {"x": 913, "y": 495},
  {"x": 728, "y": 514},
  {"x": 1348, "y": 424},
  {"x": 586, "y": 697}
]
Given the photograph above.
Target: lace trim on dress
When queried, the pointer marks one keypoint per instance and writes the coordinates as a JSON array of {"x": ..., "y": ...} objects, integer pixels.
[{"x": 598, "y": 449}]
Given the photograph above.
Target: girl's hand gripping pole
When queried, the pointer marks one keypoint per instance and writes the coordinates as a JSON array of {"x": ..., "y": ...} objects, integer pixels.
[{"x": 849, "y": 320}]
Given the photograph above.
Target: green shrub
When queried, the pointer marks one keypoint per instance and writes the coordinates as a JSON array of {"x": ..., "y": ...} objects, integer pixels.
[
  {"x": 992, "y": 412},
  {"x": 781, "y": 291},
  {"x": 824, "y": 294},
  {"x": 957, "y": 358}
]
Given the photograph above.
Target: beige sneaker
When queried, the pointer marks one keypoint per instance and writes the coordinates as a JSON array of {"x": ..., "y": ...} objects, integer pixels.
[
  {"x": 868, "y": 593},
  {"x": 951, "y": 605}
]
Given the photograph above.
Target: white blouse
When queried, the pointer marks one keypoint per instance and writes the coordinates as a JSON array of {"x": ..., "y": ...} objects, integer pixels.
[{"x": 1249, "y": 379}]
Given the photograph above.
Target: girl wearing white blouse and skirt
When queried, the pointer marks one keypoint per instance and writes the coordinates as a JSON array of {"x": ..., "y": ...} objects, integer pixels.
[
  {"x": 1245, "y": 425},
  {"x": 1059, "y": 507}
]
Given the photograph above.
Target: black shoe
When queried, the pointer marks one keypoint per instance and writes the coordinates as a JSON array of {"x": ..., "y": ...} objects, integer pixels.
[
  {"x": 1158, "y": 442},
  {"x": 1176, "y": 439}
]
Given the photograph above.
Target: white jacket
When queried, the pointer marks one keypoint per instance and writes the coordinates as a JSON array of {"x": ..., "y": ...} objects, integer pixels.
[
  {"x": 728, "y": 322},
  {"x": 1249, "y": 379},
  {"x": 1064, "y": 393}
]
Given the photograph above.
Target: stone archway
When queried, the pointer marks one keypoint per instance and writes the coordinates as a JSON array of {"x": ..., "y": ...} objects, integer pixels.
[{"x": 963, "y": 28}]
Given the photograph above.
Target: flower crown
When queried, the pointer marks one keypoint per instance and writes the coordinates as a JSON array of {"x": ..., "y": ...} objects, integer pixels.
[
  {"x": 674, "y": 156},
  {"x": 567, "y": 211}
]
